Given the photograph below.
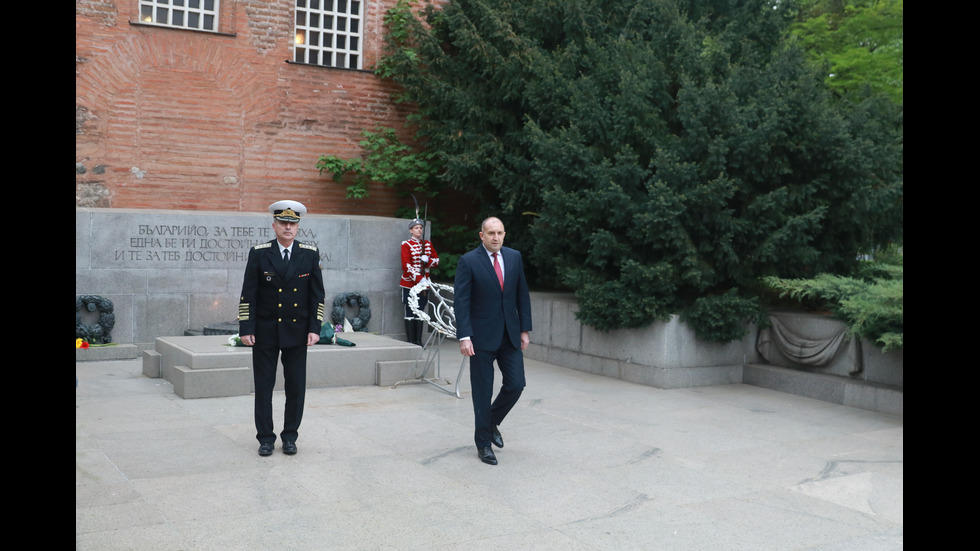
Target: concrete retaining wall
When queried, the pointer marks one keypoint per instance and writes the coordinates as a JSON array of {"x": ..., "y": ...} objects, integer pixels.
[
  {"x": 665, "y": 355},
  {"x": 668, "y": 355}
]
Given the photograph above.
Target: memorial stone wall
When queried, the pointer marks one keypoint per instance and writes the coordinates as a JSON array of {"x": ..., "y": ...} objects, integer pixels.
[{"x": 170, "y": 272}]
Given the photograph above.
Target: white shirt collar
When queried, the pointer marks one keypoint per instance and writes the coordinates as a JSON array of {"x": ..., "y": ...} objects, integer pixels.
[{"x": 500, "y": 257}]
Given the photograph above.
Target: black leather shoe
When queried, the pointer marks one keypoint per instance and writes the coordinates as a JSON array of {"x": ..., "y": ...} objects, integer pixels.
[
  {"x": 496, "y": 438},
  {"x": 266, "y": 448},
  {"x": 288, "y": 447},
  {"x": 487, "y": 456}
]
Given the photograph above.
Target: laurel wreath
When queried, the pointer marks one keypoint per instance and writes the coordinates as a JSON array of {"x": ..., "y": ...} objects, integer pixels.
[
  {"x": 97, "y": 333},
  {"x": 363, "y": 305}
]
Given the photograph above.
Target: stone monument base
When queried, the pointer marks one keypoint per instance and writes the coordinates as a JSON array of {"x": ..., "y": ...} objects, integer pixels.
[{"x": 207, "y": 367}]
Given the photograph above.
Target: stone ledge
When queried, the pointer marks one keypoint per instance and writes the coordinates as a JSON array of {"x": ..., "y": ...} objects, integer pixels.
[
  {"x": 828, "y": 388},
  {"x": 656, "y": 376},
  {"x": 819, "y": 386},
  {"x": 107, "y": 353}
]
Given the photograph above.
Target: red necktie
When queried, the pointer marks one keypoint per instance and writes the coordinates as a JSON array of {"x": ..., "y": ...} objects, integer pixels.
[{"x": 500, "y": 273}]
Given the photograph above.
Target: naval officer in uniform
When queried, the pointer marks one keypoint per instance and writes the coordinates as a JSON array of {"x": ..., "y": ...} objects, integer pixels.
[{"x": 280, "y": 312}]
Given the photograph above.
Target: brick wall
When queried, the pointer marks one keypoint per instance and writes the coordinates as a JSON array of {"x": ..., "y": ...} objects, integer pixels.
[{"x": 184, "y": 120}]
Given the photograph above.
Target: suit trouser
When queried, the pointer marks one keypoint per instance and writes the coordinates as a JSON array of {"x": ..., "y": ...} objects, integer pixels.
[
  {"x": 488, "y": 415},
  {"x": 265, "y": 360}
]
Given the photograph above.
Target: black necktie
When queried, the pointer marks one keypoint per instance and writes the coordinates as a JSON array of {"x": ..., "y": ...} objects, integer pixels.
[{"x": 285, "y": 255}]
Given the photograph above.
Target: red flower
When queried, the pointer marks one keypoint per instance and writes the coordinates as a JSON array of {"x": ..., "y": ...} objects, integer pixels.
[{"x": 84, "y": 345}]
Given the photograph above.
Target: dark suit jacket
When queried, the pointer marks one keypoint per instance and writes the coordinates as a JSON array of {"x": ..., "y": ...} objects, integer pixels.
[
  {"x": 282, "y": 298},
  {"x": 484, "y": 312}
]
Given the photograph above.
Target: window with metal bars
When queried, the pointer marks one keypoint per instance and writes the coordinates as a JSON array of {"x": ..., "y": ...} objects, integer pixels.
[
  {"x": 328, "y": 33},
  {"x": 200, "y": 15}
]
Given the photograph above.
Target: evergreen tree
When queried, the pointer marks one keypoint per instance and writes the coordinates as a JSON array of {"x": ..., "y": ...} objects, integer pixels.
[{"x": 669, "y": 152}]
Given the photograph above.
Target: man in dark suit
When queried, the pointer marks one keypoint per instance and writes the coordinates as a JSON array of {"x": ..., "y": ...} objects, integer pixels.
[
  {"x": 493, "y": 318},
  {"x": 281, "y": 311}
]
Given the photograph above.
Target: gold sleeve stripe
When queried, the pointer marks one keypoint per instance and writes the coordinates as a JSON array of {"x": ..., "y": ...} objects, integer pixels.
[
  {"x": 319, "y": 312},
  {"x": 243, "y": 312}
]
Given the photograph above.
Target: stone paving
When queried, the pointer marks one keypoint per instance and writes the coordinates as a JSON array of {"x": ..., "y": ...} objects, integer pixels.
[{"x": 590, "y": 463}]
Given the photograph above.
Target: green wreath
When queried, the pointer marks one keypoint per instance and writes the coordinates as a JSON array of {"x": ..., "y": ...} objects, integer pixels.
[
  {"x": 360, "y": 321},
  {"x": 96, "y": 333}
]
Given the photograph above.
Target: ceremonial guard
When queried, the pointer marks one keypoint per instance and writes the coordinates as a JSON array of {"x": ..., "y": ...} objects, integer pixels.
[
  {"x": 280, "y": 312},
  {"x": 418, "y": 256}
]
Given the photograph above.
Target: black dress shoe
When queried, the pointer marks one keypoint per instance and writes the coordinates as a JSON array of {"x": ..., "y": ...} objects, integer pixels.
[
  {"x": 496, "y": 438},
  {"x": 487, "y": 456},
  {"x": 265, "y": 448},
  {"x": 288, "y": 447}
]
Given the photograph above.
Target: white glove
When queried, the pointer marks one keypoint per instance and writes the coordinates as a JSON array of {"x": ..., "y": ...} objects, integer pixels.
[{"x": 425, "y": 258}]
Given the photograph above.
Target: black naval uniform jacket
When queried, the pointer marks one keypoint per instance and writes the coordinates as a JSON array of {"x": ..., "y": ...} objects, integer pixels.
[{"x": 280, "y": 298}]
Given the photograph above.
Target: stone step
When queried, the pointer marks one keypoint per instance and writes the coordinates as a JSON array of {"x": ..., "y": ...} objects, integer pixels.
[{"x": 393, "y": 371}]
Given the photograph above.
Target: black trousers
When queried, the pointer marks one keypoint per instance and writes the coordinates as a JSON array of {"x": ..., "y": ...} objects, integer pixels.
[
  {"x": 414, "y": 324},
  {"x": 489, "y": 414},
  {"x": 265, "y": 360}
]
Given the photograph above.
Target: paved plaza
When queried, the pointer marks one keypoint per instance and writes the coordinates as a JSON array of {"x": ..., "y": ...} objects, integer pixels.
[{"x": 590, "y": 463}]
